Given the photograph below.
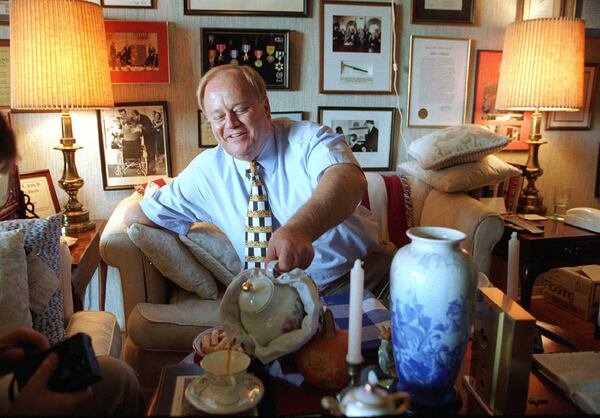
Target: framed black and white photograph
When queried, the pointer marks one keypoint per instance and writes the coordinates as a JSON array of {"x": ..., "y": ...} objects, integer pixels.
[
  {"x": 206, "y": 138},
  {"x": 134, "y": 144},
  {"x": 369, "y": 131},
  {"x": 356, "y": 47},
  {"x": 129, "y": 4},
  {"x": 438, "y": 78},
  {"x": 38, "y": 185},
  {"x": 264, "y": 50},
  {"x": 295, "y": 116},
  {"x": 448, "y": 12},
  {"x": 298, "y": 8}
]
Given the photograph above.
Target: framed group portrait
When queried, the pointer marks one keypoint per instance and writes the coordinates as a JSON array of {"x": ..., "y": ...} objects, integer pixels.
[
  {"x": 448, "y": 12},
  {"x": 138, "y": 52},
  {"x": 356, "y": 47},
  {"x": 134, "y": 144},
  {"x": 246, "y": 7},
  {"x": 39, "y": 187},
  {"x": 514, "y": 124},
  {"x": 369, "y": 132},
  {"x": 264, "y": 50}
]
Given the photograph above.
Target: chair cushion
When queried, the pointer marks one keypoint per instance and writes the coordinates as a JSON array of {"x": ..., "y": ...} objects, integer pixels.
[
  {"x": 104, "y": 329},
  {"x": 463, "y": 177},
  {"x": 14, "y": 290},
  {"x": 164, "y": 249},
  {"x": 455, "y": 145}
]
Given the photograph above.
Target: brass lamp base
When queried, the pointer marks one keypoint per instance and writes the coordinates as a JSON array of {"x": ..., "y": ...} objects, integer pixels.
[
  {"x": 76, "y": 221},
  {"x": 531, "y": 200}
]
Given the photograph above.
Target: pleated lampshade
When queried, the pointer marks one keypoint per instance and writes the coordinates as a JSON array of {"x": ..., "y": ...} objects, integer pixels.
[
  {"x": 542, "y": 65},
  {"x": 58, "y": 55}
]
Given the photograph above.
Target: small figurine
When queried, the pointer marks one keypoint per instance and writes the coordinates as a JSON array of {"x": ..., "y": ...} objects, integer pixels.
[{"x": 385, "y": 354}]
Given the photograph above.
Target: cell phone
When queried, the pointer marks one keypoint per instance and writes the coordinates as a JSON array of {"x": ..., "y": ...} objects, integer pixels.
[{"x": 77, "y": 367}]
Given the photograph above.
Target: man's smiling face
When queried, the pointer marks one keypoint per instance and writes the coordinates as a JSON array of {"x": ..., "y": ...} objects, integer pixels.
[{"x": 240, "y": 121}]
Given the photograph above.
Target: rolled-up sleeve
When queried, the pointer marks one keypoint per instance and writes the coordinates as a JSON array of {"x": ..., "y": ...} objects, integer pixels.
[{"x": 327, "y": 148}]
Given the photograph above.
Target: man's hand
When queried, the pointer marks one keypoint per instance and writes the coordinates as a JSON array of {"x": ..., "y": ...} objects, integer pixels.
[
  {"x": 14, "y": 344},
  {"x": 36, "y": 399},
  {"x": 292, "y": 247}
]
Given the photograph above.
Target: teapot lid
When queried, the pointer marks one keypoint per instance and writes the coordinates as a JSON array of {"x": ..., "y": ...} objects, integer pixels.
[
  {"x": 368, "y": 395},
  {"x": 256, "y": 294}
]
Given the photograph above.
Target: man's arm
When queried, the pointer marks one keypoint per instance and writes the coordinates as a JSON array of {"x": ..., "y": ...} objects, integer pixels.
[
  {"x": 339, "y": 191},
  {"x": 135, "y": 215}
]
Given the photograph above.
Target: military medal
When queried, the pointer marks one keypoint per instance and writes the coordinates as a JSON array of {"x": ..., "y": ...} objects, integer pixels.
[
  {"x": 212, "y": 54},
  {"x": 279, "y": 65},
  {"x": 245, "y": 50},
  {"x": 234, "y": 55},
  {"x": 258, "y": 53},
  {"x": 270, "y": 50},
  {"x": 221, "y": 48}
]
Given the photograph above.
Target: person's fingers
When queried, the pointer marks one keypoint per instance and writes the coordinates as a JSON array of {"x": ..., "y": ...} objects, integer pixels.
[
  {"x": 25, "y": 337},
  {"x": 42, "y": 375}
]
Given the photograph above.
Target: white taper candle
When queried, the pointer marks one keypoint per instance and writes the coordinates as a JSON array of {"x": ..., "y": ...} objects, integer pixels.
[
  {"x": 357, "y": 278},
  {"x": 512, "y": 276}
]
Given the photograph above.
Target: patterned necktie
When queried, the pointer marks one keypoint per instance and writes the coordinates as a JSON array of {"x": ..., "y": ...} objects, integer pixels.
[{"x": 259, "y": 226}]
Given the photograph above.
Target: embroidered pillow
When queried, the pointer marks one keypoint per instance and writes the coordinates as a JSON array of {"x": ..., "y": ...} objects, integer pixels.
[
  {"x": 213, "y": 250},
  {"x": 455, "y": 145},
  {"x": 41, "y": 243},
  {"x": 173, "y": 260},
  {"x": 463, "y": 177},
  {"x": 14, "y": 291}
]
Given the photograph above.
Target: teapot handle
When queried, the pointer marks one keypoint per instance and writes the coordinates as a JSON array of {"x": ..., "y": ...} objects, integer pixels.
[
  {"x": 272, "y": 270},
  {"x": 404, "y": 397}
]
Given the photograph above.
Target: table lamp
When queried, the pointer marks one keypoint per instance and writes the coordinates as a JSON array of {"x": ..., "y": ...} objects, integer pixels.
[
  {"x": 59, "y": 61},
  {"x": 541, "y": 70}
]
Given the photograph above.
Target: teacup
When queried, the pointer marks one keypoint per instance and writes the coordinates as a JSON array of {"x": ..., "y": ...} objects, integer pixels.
[{"x": 225, "y": 386}]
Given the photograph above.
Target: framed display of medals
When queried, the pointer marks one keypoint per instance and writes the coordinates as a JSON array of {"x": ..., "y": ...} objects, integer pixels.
[{"x": 265, "y": 50}]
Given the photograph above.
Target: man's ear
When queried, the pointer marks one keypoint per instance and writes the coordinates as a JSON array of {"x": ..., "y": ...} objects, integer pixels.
[{"x": 267, "y": 108}]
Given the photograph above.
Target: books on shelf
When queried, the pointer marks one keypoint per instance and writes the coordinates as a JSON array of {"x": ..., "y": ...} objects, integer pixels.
[{"x": 576, "y": 374}]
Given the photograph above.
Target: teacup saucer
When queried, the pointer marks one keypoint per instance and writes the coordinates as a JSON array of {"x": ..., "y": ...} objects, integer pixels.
[{"x": 201, "y": 396}]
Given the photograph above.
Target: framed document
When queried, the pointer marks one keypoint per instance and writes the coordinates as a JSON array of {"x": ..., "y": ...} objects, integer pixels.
[
  {"x": 438, "y": 76},
  {"x": 206, "y": 138},
  {"x": 295, "y": 116},
  {"x": 297, "y": 8},
  {"x": 537, "y": 9},
  {"x": 452, "y": 12},
  {"x": 356, "y": 47},
  {"x": 40, "y": 189},
  {"x": 133, "y": 4}
]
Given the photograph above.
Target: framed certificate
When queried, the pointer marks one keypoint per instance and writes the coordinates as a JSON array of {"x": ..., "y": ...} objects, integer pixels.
[{"x": 40, "y": 189}]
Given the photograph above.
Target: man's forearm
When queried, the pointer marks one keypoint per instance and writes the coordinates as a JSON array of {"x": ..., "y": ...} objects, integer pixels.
[
  {"x": 135, "y": 215},
  {"x": 339, "y": 191}
]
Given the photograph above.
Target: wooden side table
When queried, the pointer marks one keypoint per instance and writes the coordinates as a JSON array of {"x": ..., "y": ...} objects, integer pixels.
[
  {"x": 85, "y": 260},
  {"x": 560, "y": 245}
]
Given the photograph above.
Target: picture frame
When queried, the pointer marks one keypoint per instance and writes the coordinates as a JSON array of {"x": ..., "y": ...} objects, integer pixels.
[
  {"x": 206, "y": 138},
  {"x": 138, "y": 52},
  {"x": 4, "y": 12},
  {"x": 134, "y": 144},
  {"x": 513, "y": 124},
  {"x": 372, "y": 143},
  {"x": 355, "y": 48},
  {"x": 295, "y": 116},
  {"x": 298, "y": 8},
  {"x": 454, "y": 12},
  {"x": 39, "y": 187},
  {"x": 582, "y": 119},
  {"x": 128, "y": 4},
  {"x": 597, "y": 191},
  {"x": 4, "y": 73},
  {"x": 432, "y": 101},
  {"x": 265, "y": 50},
  {"x": 537, "y": 9},
  {"x": 589, "y": 10}
]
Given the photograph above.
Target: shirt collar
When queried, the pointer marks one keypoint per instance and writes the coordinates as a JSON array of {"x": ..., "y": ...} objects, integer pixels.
[{"x": 266, "y": 158}]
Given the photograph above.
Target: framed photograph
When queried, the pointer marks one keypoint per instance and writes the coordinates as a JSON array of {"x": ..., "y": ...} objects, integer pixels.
[
  {"x": 536, "y": 9},
  {"x": 449, "y": 12},
  {"x": 206, "y": 138},
  {"x": 129, "y": 4},
  {"x": 295, "y": 116},
  {"x": 246, "y": 7},
  {"x": 4, "y": 12},
  {"x": 356, "y": 47},
  {"x": 516, "y": 125},
  {"x": 265, "y": 50},
  {"x": 582, "y": 119},
  {"x": 39, "y": 187},
  {"x": 369, "y": 132},
  {"x": 138, "y": 52},
  {"x": 438, "y": 75},
  {"x": 4, "y": 73},
  {"x": 589, "y": 10},
  {"x": 134, "y": 144}
]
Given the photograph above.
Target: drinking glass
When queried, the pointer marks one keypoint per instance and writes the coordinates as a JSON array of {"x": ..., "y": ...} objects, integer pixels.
[{"x": 562, "y": 197}]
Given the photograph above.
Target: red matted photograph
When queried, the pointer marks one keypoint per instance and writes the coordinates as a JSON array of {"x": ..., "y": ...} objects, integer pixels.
[
  {"x": 516, "y": 125},
  {"x": 138, "y": 52}
]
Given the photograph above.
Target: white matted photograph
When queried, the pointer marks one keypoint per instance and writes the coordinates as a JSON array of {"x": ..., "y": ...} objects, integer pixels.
[
  {"x": 134, "y": 144},
  {"x": 356, "y": 47},
  {"x": 438, "y": 81},
  {"x": 369, "y": 132}
]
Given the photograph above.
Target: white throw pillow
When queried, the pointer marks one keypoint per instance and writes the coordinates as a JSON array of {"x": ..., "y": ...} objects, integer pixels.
[
  {"x": 173, "y": 260},
  {"x": 213, "y": 250},
  {"x": 463, "y": 177},
  {"x": 14, "y": 289},
  {"x": 455, "y": 145}
]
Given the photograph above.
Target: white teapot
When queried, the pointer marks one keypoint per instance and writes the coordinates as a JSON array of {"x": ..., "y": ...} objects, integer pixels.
[{"x": 269, "y": 309}]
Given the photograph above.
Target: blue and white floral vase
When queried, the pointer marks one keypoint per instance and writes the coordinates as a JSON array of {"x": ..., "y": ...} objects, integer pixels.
[{"x": 432, "y": 294}]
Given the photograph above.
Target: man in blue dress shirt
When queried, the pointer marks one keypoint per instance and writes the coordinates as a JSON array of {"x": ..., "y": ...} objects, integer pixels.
[{"x": 314, "y": 183}]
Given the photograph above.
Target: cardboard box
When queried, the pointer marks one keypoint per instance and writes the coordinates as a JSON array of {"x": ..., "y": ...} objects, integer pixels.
[{"x": 575, "y": 289}]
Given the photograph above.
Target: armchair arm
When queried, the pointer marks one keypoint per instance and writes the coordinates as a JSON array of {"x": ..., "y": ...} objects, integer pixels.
[
  {"x": 140, "y": 280},
  {"x": 482, "y": 225}
]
